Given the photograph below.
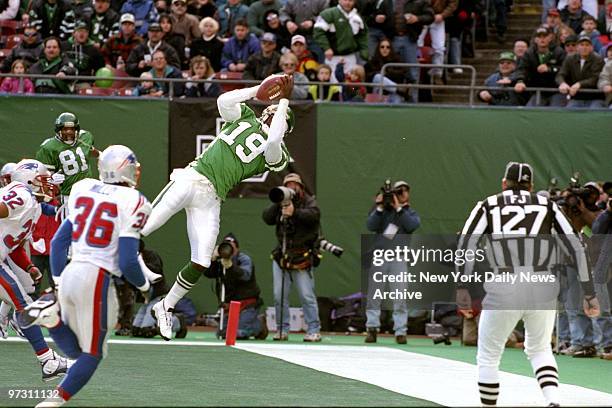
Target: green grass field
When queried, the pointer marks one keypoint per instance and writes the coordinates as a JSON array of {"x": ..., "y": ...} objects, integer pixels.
[{"x": 180, "y": 375}]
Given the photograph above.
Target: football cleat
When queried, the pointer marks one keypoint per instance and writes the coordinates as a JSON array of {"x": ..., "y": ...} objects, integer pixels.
[
  {"x": 164, "y": 319},
  {"x": 43, "y": 312},
  {"x": 54, "y": 367}
]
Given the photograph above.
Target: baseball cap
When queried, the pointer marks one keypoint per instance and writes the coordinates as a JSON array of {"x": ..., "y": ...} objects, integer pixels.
[
  {"x": 507, "y": 56},
  {"x": 230, "y": 237},
  {"x": 127, "y": 18},
  {"x": 178, "y": 1},
  {"x": 400, "y": 183},
  {"x": 585, "y": 38},
  {"x": 293, "y": 177},
  {"x": 571, "y": 39},
  {"x": 154, "y": 27},
  {"x": 268, "y": 37},
  {"x": 519, "y": 172},
  {"x": 298, "y": 38},
  {"x": 542, "y": 30},
  {"x": 81, "y": 24},
  {"x": 553, "y": 12},
  {"x": 272, "y": 15}
]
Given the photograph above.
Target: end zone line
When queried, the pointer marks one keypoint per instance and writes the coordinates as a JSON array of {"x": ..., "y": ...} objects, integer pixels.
[{"x": 135, "y": 342}]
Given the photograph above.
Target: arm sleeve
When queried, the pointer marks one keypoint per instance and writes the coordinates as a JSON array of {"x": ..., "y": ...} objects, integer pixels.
[
  {"x": 320, "y": 32},
  {"x": 575, "y": 247},
  {"x": 43, "y": 156},
  {"x": 309, "y": 214},
  {"x": 474, "y": 227},
  {"x": 21, "y": 258},
  {"x": 409, "y": 220},
  {"x": 242, "y": 269},
  {"x": 59, "y": 248},
  {"x": 605, "y": 77},
  {"x": 274, "y": 152},
  {"x": 229, "y": 102},
  {"x": 48, "y": 209},
  {"x": 270, "y": 214},
  {"x": 375, "y": 221},
  {"x": 128, "y": 262}
]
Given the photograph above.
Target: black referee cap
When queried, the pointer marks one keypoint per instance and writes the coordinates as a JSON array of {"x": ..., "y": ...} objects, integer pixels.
[{"x": 519, "y": 172}]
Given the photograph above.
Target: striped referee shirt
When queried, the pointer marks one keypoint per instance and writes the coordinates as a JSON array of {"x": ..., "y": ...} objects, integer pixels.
[{"x": 523, "y": 230}]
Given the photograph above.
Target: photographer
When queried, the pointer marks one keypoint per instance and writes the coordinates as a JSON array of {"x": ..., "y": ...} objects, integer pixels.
[
  {"x": 578, "y": 204},
  {"x": 235, "y": 271},
  {"x": 294, "y": 259},
  {"x": 602, "y": 230},
  {"x": 391, "y": 216}
]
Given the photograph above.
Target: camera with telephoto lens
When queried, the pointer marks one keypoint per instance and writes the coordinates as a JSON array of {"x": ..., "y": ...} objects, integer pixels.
[
  {"x": 325, "y": 245},
  {"x": 226, "y": 250},
  {"x": 570, "y": 202},
  {"x": 387, "y": 195},
  {"x": 281, "y": 194}
]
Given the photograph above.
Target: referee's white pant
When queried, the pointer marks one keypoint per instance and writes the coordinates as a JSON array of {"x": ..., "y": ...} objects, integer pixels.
[
  {"x": 193, "y": 192},
  {"x": 494, "y": 328}
]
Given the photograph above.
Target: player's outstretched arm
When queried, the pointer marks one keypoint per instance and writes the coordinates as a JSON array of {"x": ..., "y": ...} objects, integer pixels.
[
  {"x": 229, "y": 102},
  {"x": 278, "y": 127},
  {"x": 59, "y": 249},
  {"x": 129, "y": 265}
]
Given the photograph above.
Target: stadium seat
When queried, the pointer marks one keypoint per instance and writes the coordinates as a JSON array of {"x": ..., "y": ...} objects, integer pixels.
[
  {"x": 13, "y": 40},
  {"x": 96, "y": 91},
  {"x": 229, "y": 76},
  {"x": 125, "y": 92},
  {"x": 9, "y": 27}
]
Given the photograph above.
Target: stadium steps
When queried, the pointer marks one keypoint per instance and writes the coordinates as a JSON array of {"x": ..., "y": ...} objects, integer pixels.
[{"x": 522, "y": 21}]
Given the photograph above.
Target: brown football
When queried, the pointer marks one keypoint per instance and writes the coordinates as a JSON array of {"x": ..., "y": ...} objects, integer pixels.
[{"x": 275, "y": 87}]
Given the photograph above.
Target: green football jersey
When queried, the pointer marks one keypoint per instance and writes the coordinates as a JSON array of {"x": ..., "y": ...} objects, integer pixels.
[
  {"x": 74, "y": 162},
  {"x": 237, "y": 153}
]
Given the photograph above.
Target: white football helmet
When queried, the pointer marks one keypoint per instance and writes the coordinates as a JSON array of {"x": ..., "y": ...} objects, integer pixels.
[
  {"x": 5, "y": 173},
  {"x": 266, "y": 118},
  {"x": 118, "y": 164},
  {"x": 36, "y": 176}
]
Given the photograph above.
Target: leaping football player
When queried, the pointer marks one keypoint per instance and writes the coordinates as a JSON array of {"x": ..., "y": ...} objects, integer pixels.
[{"x": 246, "y": 146}]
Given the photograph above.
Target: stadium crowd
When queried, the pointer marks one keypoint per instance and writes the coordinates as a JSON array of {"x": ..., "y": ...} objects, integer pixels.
[{"x": 318, "y": 40}]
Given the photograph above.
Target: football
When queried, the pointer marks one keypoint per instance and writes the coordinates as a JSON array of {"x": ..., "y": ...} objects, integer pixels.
[{"x": 275, "y": 87}]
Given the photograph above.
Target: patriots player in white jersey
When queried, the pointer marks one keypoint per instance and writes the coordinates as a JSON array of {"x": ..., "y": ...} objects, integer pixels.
[
  {"x": 103, "y": 230},
  {"x": 19, "y": 211}
]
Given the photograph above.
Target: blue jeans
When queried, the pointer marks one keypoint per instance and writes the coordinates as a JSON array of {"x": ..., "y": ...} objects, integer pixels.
[
  {"x": 400, "y": 307},
  {"x": 582, "y": 328},
  {"x": 374, "y": 37},
  {"x": 585, "y": 103},
  {"x": 407, "y": 50},
  {"x": 389, "y": 86},
  {"x": 248, "y": 323},
  {"x": 304, "y": 281}
]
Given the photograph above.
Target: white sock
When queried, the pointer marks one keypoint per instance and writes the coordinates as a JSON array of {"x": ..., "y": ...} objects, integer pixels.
[
  {"x": 46, "y": 356},
  {"x": 546, "y": 372},
  {"x": 176, "y": 293}
]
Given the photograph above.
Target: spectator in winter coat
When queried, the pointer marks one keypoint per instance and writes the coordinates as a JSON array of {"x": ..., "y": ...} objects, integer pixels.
[
  {"x": 17, "y": 85},
  {"x": 239, "y": 48},
  {"x": 209, "y": 45}
]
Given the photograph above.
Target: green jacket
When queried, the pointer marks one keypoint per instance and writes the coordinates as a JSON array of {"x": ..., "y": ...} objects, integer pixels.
[{"x": 332, "y": 30}]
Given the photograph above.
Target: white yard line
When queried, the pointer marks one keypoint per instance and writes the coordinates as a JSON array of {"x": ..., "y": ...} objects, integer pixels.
[
  {"x": 443, "y": 381},
  {"x": 132, "y": 341}
]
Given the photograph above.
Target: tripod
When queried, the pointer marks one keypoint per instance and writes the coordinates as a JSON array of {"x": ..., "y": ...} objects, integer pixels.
[{"x": 282, "y": 302}]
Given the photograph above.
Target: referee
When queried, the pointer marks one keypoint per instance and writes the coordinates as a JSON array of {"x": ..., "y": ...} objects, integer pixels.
[{"x": 522, "y": 233}]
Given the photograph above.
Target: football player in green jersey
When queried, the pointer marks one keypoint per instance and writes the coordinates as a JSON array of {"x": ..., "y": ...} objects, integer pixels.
[
  {"x": 246, "y": 146},
  {"x": 69, "y": 154}
]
